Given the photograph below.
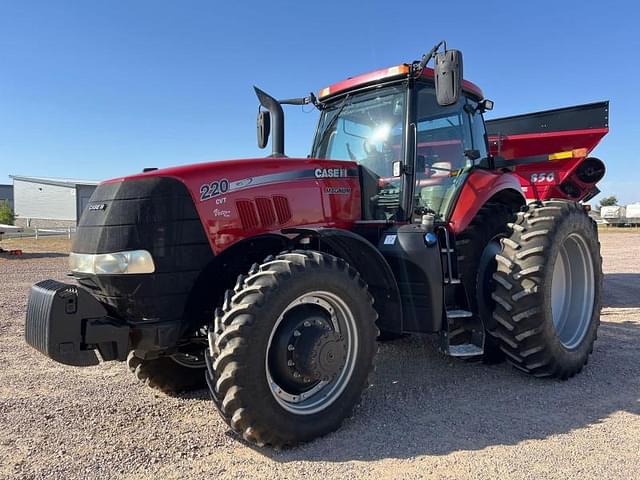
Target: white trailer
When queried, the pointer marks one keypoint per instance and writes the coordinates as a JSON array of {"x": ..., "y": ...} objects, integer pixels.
[
  {"x": 613, "y": 215},
  {"x": 633, "y": 214}
]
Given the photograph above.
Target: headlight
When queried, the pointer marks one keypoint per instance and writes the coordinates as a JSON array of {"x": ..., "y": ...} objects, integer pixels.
[{"x": 136, "y": 261}]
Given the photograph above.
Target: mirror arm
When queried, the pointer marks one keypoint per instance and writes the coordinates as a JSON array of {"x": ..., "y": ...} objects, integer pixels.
[
  {"x": 419, "y": 67},
  {"x": 310, "y": 99}
]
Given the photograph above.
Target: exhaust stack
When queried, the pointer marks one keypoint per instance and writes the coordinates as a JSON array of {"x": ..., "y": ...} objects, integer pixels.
[{"x": 277, "y": 121}]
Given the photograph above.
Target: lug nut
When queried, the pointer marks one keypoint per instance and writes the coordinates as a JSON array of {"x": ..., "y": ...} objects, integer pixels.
[
  {"x": 290, "y": 363},
  {"x": 296, "y": 333},
  {"x": 291, "y": 348},
  {"x": 307, "y": 323}
]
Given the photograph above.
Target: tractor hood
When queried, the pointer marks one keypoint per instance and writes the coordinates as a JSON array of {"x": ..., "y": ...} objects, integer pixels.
[
  {"x": 247, "y": 169},
  {"x": 237, "y": 199}
]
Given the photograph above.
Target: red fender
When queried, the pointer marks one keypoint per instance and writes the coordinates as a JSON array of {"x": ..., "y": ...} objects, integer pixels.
[{"x": 480, "y": 186}]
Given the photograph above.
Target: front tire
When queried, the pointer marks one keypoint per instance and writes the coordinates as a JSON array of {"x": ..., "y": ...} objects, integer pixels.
[
  {"x": 291, "y": 348},
  {"x": 169, "y": 374},
  {"x": 548, "y": 290}
]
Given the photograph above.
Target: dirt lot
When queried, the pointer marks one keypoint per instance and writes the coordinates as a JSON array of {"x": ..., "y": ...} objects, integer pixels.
[{"x": 423, "y": 416}]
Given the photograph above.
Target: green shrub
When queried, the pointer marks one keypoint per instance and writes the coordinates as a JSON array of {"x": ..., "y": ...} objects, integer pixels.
[{"x": 6, "y": 215}]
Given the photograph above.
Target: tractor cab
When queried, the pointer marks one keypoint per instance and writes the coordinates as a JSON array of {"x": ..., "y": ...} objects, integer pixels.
[
  {"x": 399, "y": 128},
  {"x": 415, "y": 133}
]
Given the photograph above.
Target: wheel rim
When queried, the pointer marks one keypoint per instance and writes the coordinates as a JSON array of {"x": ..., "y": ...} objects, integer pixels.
[
  {"x": 188, "y": 360},
  {"x": 191, "y": 354},
  {"x": 572, "y": 291},
  {"x": 322, "y": 328}
]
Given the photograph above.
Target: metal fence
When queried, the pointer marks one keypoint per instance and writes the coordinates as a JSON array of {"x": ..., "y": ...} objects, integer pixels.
[{"x": 41, "y": 232}]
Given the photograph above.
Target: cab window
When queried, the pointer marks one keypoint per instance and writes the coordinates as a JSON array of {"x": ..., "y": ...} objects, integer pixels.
[{"x": 443, "y": 136}]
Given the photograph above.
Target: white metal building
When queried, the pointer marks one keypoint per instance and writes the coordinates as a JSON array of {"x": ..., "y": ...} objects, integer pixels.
[{"x": 46, "y": 202}]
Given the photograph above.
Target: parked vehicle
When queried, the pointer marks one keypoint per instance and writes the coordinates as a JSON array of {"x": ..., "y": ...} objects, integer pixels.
[
  {"x": 614, "y": 214},
  {"x": 632, "y": 214},
  {"x": 271, "y": 278}
]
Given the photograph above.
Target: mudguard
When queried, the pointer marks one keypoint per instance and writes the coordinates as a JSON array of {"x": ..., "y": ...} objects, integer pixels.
[
  {"x": 372, "y": 266},
  {"x": 479, "y": 188}
]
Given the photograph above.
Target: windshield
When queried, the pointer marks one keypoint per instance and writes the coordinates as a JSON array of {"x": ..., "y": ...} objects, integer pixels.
[{"x": 367, "y": 128}]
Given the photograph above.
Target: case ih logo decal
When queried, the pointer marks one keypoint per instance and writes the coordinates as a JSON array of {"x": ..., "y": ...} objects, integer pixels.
[
  {"x": 216, "y": 188},
  {"x": 331, "y": 172}
]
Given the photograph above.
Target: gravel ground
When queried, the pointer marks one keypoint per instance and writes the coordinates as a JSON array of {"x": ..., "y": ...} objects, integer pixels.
[{"x": 424, "y": 415}]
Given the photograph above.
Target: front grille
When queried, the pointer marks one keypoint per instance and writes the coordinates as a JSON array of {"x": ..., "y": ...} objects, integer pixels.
[{"x": 156, "y": 214}]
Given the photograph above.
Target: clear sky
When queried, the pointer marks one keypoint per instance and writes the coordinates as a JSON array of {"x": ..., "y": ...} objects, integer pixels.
[{"x": 98, "y": 89}]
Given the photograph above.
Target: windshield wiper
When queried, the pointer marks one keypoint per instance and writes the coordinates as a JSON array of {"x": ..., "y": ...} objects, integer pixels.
[{"x": 332, "y": 121}]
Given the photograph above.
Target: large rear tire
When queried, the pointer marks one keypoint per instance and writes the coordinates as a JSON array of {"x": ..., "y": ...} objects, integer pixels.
[
  {"x": 548, "y": 290},
  {"x": 291, "y": 348},
  {"x": 477, "y": 247}
]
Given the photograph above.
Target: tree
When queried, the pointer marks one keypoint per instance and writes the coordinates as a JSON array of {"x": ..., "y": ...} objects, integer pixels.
[
  {"x": 609, "y": 201},
  {"x": 6, "y": 214}
]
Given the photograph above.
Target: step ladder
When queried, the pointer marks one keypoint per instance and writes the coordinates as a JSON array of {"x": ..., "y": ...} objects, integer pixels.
[{"x": 461, "y": 323}]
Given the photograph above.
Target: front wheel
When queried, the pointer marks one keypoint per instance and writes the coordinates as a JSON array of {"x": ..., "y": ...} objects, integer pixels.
[
  {"x": 291, "y": 348},
  {"x": 547, "y": 290}
]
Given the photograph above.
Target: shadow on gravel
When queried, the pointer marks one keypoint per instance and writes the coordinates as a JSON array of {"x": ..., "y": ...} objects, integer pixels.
[
  {"x": 621, "y": 290},
  {"x": 421, "y": 403},
  {"x": 32, "y": 255}
]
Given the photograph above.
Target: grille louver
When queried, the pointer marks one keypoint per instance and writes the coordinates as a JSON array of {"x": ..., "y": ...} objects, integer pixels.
[
  {"x": 264, "y": 211},
  {"x": 247, "y": 213},
  {"x": 283, "y": 211}
]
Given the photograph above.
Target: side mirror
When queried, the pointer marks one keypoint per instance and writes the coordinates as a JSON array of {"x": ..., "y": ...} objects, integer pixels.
[
  {"x": 263, "y": 128},
  {"x": 448, "y": 77},
  {"x": 472, "y": 154}
]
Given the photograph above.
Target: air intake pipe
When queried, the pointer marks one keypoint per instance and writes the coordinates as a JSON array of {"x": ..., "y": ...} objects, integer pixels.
[{"x": 277, "y": 121}]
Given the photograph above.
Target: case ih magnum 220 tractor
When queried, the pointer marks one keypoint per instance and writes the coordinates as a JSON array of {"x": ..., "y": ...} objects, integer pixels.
[{"x": 270, "y": 279}]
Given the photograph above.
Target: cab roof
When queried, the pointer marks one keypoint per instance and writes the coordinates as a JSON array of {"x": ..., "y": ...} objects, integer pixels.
[{"x": 389, "y": 73}]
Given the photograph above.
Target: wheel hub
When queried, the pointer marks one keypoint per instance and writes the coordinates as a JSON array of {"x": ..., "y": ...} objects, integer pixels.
[
  {"x": 311, "y": 352},
  {"x": 319, "y": 353}
]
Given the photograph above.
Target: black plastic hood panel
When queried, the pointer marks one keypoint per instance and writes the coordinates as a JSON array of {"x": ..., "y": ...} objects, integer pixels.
[{"x": 156, "y": 214}]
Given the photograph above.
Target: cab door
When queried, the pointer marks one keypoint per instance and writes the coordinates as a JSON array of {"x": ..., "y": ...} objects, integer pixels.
[{"x": 444, "y": 152}]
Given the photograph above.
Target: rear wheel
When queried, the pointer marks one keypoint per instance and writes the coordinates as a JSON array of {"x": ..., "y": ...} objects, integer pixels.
[
  {"x": 477, "y": 247},
  {"x": 548, "y": 288},
  {"x": 291, "y": 348}
]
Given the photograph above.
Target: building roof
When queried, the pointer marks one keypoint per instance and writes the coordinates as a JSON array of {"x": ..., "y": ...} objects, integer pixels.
[{"x": 63, "y": 182}]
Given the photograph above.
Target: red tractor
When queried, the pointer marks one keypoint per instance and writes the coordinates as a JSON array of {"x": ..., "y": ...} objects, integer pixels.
[{"x": 272, "y": 278}]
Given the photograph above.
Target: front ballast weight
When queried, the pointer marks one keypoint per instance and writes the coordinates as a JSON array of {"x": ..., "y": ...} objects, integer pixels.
[{"x": 68, "y": 324}]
